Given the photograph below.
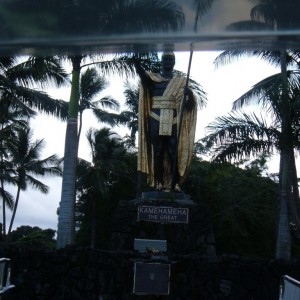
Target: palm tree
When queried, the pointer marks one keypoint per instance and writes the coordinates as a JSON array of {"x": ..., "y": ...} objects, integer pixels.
[
  {"x": 11, "y": 119},
  {"x": 130, "y": 116},
  {"x": 19, "y": 80},
  {"x": 278, "y": 15},
  {"x": 26, "y": 163},
  {"x": 123, "y": 17},
  {"x": 19, "y": 100},
  {"x": 283, "y": 137},
  {"x": 91, "y": 84},
  {"x": 96, "y": 179}
]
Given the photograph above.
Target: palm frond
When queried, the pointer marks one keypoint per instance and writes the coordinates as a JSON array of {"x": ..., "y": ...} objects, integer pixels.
[
  {"x": 42, "y": 71},
  {"x": 131, "y": 94},
  {"x": 103, "y": 116},
  {"x": 241, "y": 150},
  {"x": 273, "y": 57},
  {"x": 107, "y": 102},
  {"x": 295, "y": 56},
  {"x": 8, "y": 199},
  {"x": 7, "y": 62},
  {"x": 125, "y": 116},
  {"x": 117, "y": 66},
  {"x": 43, "y": 102},
  {"x": 91, "y": 84},
  {"x": 242, "y": 125},
  {"x": 260, "y": 92},
  {"x": 267, "y": 93},
  {"x": 240, "y": 133},
  {"x": 202, "y": 95},
  {"x": 8, "y": 174},
  {"x": 201, "y": 8},
  {"x": 37, "y": 185}
]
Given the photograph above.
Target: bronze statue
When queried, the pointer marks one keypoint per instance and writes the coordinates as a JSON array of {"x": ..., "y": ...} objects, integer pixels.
[{"x": 161, "y": 96}]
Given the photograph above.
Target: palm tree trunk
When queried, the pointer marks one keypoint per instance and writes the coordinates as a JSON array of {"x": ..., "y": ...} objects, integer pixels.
[
  {"x": 3, "y": 198},
  {"x": 283, "y": 244},
  {"x": 14, "y": 211},
  {"x": 3, "y": 212},
  {"x": 66, "y": 218},
  {"x": 80, "y": 125},
  {"x": 294, "y": 198},
  {"x": 93, "y": 223},
  {"x": 294, "y": 182}
]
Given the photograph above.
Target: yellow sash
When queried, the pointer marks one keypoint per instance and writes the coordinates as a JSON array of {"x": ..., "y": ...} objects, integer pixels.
[{"x": 167, "y": 103}]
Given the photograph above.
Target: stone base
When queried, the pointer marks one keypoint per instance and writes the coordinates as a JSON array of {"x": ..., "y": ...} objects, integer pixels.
[{"x": 194, "y": 237}]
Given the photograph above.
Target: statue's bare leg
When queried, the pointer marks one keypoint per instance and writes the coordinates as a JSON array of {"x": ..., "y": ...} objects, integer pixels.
[
  {"x": 172, "y": 148},
  {"x": 157, "y": 142}
]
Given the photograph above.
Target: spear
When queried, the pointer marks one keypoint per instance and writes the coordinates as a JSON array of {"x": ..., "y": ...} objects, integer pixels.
[{"x": 201, "y": 6}]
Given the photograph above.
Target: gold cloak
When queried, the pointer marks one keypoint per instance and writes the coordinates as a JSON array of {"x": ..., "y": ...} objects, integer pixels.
[{"x": 186, "y": 139}]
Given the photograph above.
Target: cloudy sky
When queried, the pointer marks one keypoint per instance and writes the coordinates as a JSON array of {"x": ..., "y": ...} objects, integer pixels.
[{"x": 223, "y": 86}]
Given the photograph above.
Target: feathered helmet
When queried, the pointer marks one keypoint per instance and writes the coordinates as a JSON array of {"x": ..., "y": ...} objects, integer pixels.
[{"x": 171, "y": 53}]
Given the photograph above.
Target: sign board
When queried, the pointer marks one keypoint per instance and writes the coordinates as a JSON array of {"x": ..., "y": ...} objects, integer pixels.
[
  {"x": 151, "y": 279},
  {"x": 150, "y": 246},
  {"x": 163, "y": 214}
]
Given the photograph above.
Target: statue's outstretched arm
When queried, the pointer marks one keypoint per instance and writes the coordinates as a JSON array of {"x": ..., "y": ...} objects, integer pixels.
[{"x": 141, "y": 72}]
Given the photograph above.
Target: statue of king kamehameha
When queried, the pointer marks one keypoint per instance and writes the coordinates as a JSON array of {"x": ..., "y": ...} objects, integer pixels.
[{"x": 164, "y": 153}]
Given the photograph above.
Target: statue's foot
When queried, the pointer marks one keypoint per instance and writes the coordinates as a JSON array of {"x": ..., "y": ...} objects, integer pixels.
[
  {"x": 177, "y": 188},
  {"x": 159, "y": 187}
]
